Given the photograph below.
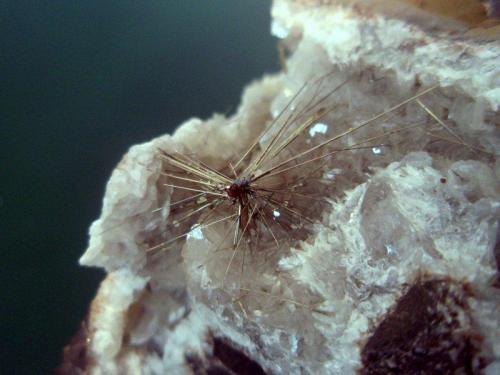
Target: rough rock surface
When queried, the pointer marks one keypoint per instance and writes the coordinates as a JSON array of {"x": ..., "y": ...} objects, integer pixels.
[{"x": 400, "y": 271}]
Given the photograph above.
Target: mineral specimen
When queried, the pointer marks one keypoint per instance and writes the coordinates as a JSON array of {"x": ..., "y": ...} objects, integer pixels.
[{"x": 397, "y": 273}]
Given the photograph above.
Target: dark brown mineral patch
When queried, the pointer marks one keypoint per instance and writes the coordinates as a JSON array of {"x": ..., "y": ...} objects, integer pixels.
[
  {"x": 428, "y": 332},
  {"x": 225, "y": 360},
  {"x": 75, "y": 357}
]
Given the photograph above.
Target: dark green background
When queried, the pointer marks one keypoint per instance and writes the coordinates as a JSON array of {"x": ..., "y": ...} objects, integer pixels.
[{"x": 81, "y": 81}]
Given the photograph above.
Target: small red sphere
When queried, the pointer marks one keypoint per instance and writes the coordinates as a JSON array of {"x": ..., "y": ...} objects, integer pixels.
[{"x": 238, "y": 189}]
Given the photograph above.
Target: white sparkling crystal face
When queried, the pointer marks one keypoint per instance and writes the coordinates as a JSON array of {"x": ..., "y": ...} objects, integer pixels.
[
  {"x": 319, "y": 128},
  {"x": 195, "y": 233}
]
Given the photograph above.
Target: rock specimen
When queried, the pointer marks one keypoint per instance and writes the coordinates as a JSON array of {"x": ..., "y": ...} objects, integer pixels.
[{"x": 394, "y": 270}]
